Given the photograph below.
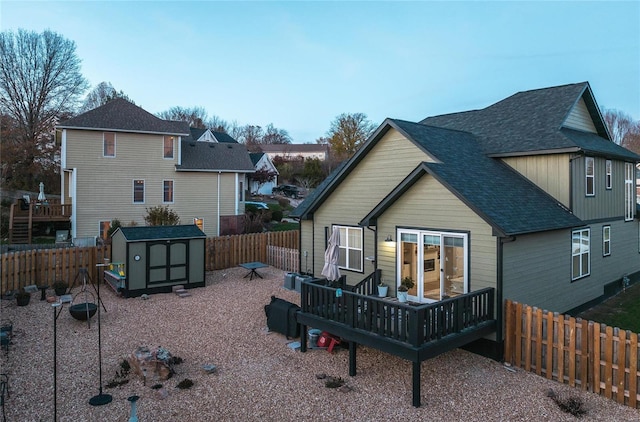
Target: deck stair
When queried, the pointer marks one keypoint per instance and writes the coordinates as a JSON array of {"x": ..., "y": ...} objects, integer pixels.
[{"x": 20, "y": 233}]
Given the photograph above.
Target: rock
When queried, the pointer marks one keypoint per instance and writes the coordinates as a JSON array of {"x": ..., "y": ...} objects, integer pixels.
[{"x": 154, "y": 365}]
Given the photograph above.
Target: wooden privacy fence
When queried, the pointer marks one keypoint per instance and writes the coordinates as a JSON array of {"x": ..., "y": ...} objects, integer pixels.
[
  {"x": 584, "y": 354},
  {"x": 45, "y": 266},
  {"x": 229, "y": 251},
  {"x": 284, "y": 258}
]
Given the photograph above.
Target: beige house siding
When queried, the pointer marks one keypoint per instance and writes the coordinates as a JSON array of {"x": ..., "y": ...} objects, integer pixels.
[
  {"x": 363, "y": 189},
  {"x": 550, "y": 173},
  {"x": 104, "y": 188},
  {"x": 429, "y": 205},
  {"x": 579, "y": 118}
]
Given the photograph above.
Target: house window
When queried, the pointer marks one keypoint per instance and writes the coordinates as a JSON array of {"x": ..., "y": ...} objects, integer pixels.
[
  {"x": 240, "y": 191},
  {"x": 590, "y": 176},
  {"x": 168, "y": 146},
  {"x": 138, "y": 191},
  {"x": 606, "y": 240},
  {"x": 167, "y": 191},
  {"x": 199, "y": 222},
  {"x": 629, "y": 199},
  {"x": 351, "y": 256},
  {"x": 104, "y": 229},
  {"x": 580, "y": 253},
  {"x": 108, "y": 144},
  {"x": 608, "y": 174}
]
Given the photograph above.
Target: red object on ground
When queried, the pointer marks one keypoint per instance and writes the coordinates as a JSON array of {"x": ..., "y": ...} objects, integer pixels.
[{"x": 328, "y": 340}]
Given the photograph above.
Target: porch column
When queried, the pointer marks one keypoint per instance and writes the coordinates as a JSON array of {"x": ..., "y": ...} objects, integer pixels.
[
  {"x": 416, "y": 384},
  {"x": 352, "y": 358}
]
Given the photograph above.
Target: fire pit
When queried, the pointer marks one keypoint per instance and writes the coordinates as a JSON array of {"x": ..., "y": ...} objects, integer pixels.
[{"x": 83, "y": 311}]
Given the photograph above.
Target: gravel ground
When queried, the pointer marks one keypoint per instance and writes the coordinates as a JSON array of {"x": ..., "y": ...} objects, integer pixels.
[{"x": 259, "y": 377}]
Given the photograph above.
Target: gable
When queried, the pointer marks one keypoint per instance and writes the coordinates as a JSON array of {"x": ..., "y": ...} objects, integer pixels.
[{"x": 579, "y": 118}]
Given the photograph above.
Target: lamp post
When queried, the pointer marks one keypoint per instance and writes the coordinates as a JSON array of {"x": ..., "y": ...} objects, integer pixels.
[
  {"x": 56, "y": 314},
  {"x": 101, "y": 398}
]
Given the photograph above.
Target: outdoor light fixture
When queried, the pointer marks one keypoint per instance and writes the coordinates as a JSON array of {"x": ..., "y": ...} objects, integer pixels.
[
  {"x": 389, "y": 238},
  {"x": 57, "y": 308}
]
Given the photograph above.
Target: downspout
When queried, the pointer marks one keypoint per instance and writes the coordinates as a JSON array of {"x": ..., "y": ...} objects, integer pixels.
[
  {"x": 74, "y": 202},
  {"x": 499, "y": 295},
  {"x": 375, "y": 247},
  {"x": 218, "y": 207}
]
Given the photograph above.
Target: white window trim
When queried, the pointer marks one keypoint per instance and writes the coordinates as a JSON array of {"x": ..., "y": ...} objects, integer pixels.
[
  {"x": 173, "y": 191},
  {"x": 173, "y": 149},
  {"x": 583, "y": 233},
  {"x": 133, "y": 191},
  {"x": 606, "y": 240},
  {"x": 348, "y": 248},
  {"x": 608, "y": 174},
  {"x": 115, "y": 144},
  {"x": 629, "y": 191},
  {"x": 587, "y": 176}
]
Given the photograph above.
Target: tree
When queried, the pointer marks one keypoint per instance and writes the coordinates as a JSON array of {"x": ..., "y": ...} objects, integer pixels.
[
  {"x": 195, "y": 116},
  {"x": 347, "y": 133},
  {"x": 623, "y": 129},
  {"x": 251, "y": 136},
  {"x": 262, "y": 176},
  {"x": 161, "y": 216},
  {"x": 312, "y": 174},
  {"x": 100, "y": 95},
  {"x": 40, "y": 82},
  {"x": 273, "y": 135}
]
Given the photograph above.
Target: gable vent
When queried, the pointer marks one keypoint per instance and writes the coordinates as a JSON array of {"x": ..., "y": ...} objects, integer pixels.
[
  {"x": 229, "y": 146},
  {"x": 193, "y": 144}
]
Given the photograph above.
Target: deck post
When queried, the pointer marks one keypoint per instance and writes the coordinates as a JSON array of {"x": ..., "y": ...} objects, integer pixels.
[
  {"x": 416, "y": 384},
  {"x": 303, "y": 338},
  {"x": 352, "y": 358}
]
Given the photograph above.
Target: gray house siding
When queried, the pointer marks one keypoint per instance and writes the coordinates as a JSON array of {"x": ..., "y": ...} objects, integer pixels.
[
  {"x": 606, "y": 203},
  {"x": 537, "y": 267}
]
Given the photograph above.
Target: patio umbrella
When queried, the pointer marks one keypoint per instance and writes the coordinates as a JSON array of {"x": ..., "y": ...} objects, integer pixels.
[
  {"x": 330, "y": 269},
  {"x": 41, "y": 197}
]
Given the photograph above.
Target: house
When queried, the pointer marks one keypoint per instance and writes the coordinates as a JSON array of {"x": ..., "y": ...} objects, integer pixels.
[
  {"x": 528, "y": 197},
  {"x": 118, "y": 160},
  {"x": 261, "y": 161},
  {"x": 296, "y": 151}
]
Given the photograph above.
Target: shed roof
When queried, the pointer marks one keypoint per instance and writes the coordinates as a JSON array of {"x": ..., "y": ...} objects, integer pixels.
[{"x": 141, "y": 233}]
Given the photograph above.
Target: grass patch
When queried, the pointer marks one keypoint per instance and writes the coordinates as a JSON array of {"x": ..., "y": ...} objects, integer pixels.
[
  {"x": 622, "y": 310},
  {"x": 281, "y": 227}
]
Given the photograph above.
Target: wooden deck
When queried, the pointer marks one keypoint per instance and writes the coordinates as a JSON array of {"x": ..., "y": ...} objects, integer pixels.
[
  {"x": 414, "y": 332},
  {"x": 23, "y": 216}
]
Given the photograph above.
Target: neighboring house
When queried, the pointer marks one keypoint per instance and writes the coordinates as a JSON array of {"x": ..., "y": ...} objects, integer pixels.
[
  {"x": 118, "y": 160},
  {"x": 296, "y": 151},
  {"x": 261, "y": 161},
  {"x": 528, "y": 196}
]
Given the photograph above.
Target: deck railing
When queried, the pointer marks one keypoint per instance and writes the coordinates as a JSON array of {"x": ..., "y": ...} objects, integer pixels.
[
  {"x": 404, "y": 322},
  {"x": 37, "y": 210}
]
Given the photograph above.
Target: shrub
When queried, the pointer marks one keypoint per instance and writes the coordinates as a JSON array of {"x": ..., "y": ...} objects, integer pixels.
[
  {"x": 115, "y": 223},
  {"x": 276, "y": 215},
  {"x": 161, "y": 216}
]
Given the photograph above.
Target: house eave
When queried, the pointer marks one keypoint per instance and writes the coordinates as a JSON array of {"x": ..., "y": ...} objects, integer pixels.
[{"x": 97, "y": 129}]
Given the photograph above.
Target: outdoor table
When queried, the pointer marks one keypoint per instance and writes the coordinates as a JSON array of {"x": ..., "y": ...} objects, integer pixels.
[{"x": 252, "y": 267}]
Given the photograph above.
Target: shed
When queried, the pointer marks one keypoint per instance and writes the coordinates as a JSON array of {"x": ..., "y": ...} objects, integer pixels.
[{"x": 153, "y": 259}]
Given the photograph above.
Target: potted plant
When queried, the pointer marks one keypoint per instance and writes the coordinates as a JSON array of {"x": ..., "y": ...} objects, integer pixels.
[
  {"x": 403, "y": 290},
  {"x": 382, "y": 289},
  {"x": 60, "y": 287},
  {"x": 23, "y": 298}
]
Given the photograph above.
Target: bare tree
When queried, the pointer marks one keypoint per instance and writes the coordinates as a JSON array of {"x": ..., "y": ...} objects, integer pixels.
[
  {"x": 195, "y": 116},
  {"x": 100, "y": 95},
  {"x": 217, "y": 124},
  {"x": 273, "y": 135},
  {"x": 623, "y": 129},
  {"x": 251, "y": 136},
  {"x": 40, "y": 82},
  {"x": 348, "y": 132}
]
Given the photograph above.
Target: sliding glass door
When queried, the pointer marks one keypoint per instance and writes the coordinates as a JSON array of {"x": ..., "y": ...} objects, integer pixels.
[{"x": 436, "y": 261}]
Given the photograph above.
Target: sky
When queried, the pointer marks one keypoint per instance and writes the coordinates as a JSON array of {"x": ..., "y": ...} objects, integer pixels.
[{"x": 299, "y": 64}]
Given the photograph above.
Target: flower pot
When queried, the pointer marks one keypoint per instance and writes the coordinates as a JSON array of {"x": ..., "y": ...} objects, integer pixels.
[
  {"x": 60, "y": 290},
  {"x": 382, "y": 291},
  {"x": 23, "y": 300},
  {"x": 402, "y": 296}
]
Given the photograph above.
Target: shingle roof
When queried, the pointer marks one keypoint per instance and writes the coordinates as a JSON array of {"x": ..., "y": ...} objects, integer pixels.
[
  {"x": 294, "y": 148},
  {"x": 506, "y": 200},
  {"x": 211, "y": 156},
  {"x": 196, "y": 133},
  {"x": 524, "y": 122},
  {"x": 120, "y": 115},
  {"x": 138, "y": 233},
  {"x": 255, "y": 157}
]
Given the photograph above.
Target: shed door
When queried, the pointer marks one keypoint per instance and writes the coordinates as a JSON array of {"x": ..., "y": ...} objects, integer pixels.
[{"x": 168, "y": 261}]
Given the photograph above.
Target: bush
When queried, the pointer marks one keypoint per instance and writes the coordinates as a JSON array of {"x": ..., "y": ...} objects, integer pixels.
[
  {"x": 115, "y": 223},
  {"x": 161, "y": 216},
  {"x": 276, "y": 215}
]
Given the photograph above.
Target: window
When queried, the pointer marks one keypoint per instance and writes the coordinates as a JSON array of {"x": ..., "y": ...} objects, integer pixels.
[
  {"x": 168, "y": 146},
  {"x": 590, "y": 176},
  {"x": 580, "y": 253},
  {"x": 351, "y": 256},
  {"x": 167, "y": 190},
  {"x": 104, "y": 229},
  {"x": 608, "y": 174},
  {"x": 240, "y": 191},
  {"x": 606, "y": 240},
  {"x": 629, "y": 200},
  {"x": 199, "y": 222},
  {"x": 108, "y": 144},
  {"x": 138, "y": 191}
]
